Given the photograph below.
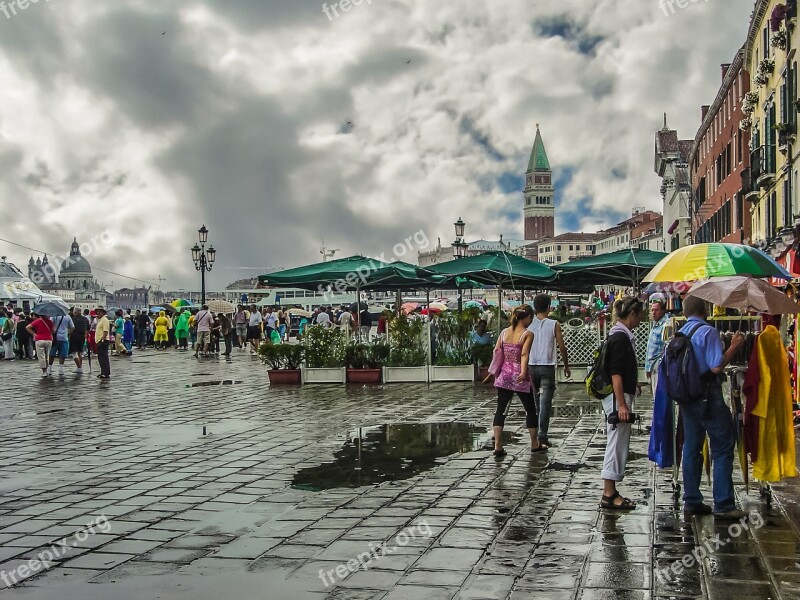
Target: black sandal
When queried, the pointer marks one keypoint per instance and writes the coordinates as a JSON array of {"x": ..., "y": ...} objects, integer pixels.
[
  {"x": 542, "y": 448},
  {"x": 500, "y": 453},
  {"x": 607, "y": 502}
]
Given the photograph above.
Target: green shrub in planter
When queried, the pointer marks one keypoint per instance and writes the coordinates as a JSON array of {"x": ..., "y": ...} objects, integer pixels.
[
  {"x": 378, "y": 355},
  {"x": 366, "y": 356},
  {"x": 324, "y": 347},
  {"x": 406, "y": 342},
  {"x": 281, "y": 356},
  {"x": 482, "y": 354},
  {"x": 454, "y": 338}
]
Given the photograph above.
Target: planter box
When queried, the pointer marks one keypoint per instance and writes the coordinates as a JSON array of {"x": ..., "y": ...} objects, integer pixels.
[
  {"x": 284, "y": 377},
  {"x": 460, "y": 373},
  {"x": 331, "y": 375},
  {"x": 364, "y": 375},
  {"x": 405, "y": 374}
]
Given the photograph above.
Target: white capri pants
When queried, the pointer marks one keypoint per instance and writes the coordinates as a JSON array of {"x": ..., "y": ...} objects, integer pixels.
[
  {"x": 618, "y": 443},
  {"x": 43, "y": 352}
]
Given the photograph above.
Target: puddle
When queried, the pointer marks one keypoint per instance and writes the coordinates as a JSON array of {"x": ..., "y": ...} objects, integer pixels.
[
  {"x": 213, "y": 383},
  {"x": 571, "y": 467},
  {"x": 391, "y": 452}
]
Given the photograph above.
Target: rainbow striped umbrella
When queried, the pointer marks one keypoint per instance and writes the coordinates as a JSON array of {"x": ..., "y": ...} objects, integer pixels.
[
  {"x": 702, "y": 261},
  {"x": 180, "y": 303}
]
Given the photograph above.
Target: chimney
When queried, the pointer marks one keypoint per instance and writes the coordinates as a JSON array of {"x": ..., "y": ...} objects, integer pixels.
[
  {"x": 704, "y": 112},
  {"x": 725, "y": 68}
]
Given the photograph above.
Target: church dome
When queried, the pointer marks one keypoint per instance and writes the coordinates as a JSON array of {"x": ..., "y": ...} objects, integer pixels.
[{"x": 75, "y": 264}]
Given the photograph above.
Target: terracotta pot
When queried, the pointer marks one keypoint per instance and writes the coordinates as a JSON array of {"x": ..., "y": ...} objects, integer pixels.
[
  {"x": 284, "y": 377},
  {"x": 363, "y": 375}
]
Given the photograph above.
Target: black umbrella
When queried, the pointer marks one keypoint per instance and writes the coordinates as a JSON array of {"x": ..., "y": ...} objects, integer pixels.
[
  {"x": 358, "y": 306},
  {"x": 51, "y": 309}
]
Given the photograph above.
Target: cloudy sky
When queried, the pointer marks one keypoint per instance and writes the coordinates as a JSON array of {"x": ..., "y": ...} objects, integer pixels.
[{"x": 278, "y": 126}]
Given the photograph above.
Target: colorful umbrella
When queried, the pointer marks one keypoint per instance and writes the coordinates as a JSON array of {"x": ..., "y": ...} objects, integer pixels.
[
  {"x": 702, "y": 261},
  {"x": 481, "y": 304},
  {"x": 180, "y": 303},
  {"x": 409, "y": 307},
  {"x": 437, "y": 306}
]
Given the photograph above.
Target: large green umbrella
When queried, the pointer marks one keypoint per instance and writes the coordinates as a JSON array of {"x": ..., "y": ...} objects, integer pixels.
[
  {"x": 310, "y": 277},
  {"x": 624, "y": 267}
]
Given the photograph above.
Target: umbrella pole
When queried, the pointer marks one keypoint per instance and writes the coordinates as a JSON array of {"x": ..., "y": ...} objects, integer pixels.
[
  {"x": 428, "y": 331},
  {"x": 358, "y": 313},
  {"x": 499, "y": 308}
]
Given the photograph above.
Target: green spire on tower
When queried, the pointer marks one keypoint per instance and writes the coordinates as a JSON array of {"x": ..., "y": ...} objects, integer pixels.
[{"x": 538, "y": 161}]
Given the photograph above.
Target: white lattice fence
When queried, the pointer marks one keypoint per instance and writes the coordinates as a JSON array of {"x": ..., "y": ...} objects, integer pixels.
[{"x": 581, "y": 343}]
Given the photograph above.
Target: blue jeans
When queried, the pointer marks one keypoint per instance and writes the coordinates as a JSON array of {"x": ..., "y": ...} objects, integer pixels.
[
  {"x": 715, "y": 418},
  {"x": 544, "y": 380}
]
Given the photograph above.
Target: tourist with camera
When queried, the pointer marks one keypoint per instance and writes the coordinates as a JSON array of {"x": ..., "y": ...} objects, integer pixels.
[{"x": 623, "y": 369}]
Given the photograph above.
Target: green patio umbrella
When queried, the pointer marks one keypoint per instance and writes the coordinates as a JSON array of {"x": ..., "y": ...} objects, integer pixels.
[
  {"x": 498, "y": 268},
  {"x": 310, "y": 277},
  {"x": 624, "y": 267}
]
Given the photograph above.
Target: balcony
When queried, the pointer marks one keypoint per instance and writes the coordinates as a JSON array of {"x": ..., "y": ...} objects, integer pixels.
[
  {"x": 762, "y": 165},
  {"x": 750, "y": 190}
]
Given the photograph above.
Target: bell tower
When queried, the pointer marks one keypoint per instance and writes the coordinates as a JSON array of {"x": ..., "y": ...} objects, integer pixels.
[{"x": 539, "y": 194}]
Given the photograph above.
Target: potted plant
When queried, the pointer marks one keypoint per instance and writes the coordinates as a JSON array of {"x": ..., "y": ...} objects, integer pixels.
[
  {"x": 284, "y": 362},
  {"x": 482, "y": 358},
  {"x": 408, "y": 357},
  {"x": 324, "y": 355},
  {"x": 779, "y": 39},
  {"x": 453, "y": 360},
  {"x": 365, "y": 362}
]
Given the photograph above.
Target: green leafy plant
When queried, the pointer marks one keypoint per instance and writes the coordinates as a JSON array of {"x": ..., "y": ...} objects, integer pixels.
[
  {"x": 482, "y": 354},
  {"x": 454, "y": 338},
  {"x": 281, "y": 356},
  {"x": 324, "y": 347},
  {"x": 366, "y": 356},
  {"x": 379, "y": 355},
  {"x": 406, "y": 342}
]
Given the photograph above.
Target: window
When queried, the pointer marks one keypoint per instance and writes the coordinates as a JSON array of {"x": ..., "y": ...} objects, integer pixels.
[
  {"x": 739, "y": 152},
  {"x": 570, "y": 247},
  {"x": 559, "y": 249}
]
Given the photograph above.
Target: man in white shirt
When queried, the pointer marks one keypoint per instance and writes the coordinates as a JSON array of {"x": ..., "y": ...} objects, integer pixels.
[
  {"x": 345, "y": 320},
  {"x": 254, "y": 328},
  {"x": 203, "y": 320},
  {"x": 323, "y": 318},
  {"x": 542, "y": 361},
  {"x": 63, "y": 327}
]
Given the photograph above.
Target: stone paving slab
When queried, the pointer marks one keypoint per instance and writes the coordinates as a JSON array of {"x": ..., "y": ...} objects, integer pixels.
[{"x": 205, "y": 516}]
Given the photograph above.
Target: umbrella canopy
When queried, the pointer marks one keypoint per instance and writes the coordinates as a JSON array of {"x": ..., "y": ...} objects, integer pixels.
[
  {"x": 51, "y": 309},
  {"x": 409, "y": 307},
  {"x": 359, "y": 306},
  {"x": 156, "y": 309},
  {"x": 747, "y": 294},
  {"x": 702, "y": 261},
  {"x": 222, "y": 307},
  {"x": 299, "y": 312},
  {"x": 476, "y": 304},
  {"x": 434, "y": 306},
  {"x": 498, "y": 268},
  {"x": 180, "y": 303},
  {"x": 625, "y": 267}
]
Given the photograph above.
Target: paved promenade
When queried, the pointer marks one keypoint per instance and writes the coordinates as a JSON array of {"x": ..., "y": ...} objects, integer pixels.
[{"x": 291, "y": 492}]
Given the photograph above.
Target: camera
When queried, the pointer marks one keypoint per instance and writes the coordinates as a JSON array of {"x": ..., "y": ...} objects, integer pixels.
[{"x": 613, "y": 419}]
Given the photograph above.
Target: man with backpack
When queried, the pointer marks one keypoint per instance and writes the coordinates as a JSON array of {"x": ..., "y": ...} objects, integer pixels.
[{"x": 703, "y": 360}]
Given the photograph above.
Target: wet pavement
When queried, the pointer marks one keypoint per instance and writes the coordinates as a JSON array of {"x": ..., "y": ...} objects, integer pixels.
[{"x": 201, "y": 482}]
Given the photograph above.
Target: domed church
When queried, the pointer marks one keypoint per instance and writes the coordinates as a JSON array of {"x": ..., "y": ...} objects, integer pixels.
[{"x": 73, "y": 281}]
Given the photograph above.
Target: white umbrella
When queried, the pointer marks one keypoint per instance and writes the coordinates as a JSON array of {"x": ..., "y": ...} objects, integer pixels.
[
  {"x": 221, "y": 307},
  {"x": 746, "y": 294}
]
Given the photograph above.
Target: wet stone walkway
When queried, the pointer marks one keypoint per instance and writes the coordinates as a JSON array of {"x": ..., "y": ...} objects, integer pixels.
[{"x": 343, "y": 492}]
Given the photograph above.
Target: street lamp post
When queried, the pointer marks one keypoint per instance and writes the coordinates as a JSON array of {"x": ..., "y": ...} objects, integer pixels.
[
  {"x": 203, "y": 260},
  {"x": 460, "y": 251}
]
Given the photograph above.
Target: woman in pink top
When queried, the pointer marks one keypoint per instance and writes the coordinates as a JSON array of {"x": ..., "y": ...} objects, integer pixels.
[
  {"x": 42, "y": 331},
  {"x": 514, "y": 378}
]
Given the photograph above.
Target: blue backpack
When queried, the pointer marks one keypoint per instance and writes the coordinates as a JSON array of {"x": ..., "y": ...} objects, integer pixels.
[{"x": 685, "y": 382}]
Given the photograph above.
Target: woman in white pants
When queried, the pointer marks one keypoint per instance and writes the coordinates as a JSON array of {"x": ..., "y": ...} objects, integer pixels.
[
  {"x": 624, "y": 371},
  {"x": 41, "y": 329}
]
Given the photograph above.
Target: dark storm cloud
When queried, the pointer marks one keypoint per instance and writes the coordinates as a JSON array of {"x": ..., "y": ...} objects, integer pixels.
[
  {"x": 33, "y": 40},
  {"x": 266, "y": 14},
  {"x": 153, "y": 78}
]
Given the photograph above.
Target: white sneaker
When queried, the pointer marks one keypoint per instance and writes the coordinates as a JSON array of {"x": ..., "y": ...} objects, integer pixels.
[
  {"x": 78, "y": 371},
  {"x": 61, "y": 371},
  {"x": 49, "y": 371},
  {"x": 44, "y": 374}
]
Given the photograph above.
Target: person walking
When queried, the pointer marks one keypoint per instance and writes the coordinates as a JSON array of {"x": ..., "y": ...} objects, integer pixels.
[
  {"x": 623, "y": 368},
  {"x": 515, "y": 342},
  {"x": 182, "y": 330},
  {"x": 24, "y": 339},
  {"x": 226, "y": 330},
  {"x": 547, "y": 335},
  {"x": 161, "y": 336},
  {"x": 118, "y": 330},
  {"x": 63, "y": 328},
  {"x": 655, "y": 342},
  {"x": 204, "y": 320},
  {"x": 254, "y": 329},
  {"x": 240, "y": 321},
  {"x": 127, "y": 335},
  {"x": 41, "y": 330},
  {"x": 142, "y": 325},
  {"x": 709, "y": 416},
  {"x": 365, "y": 324},
  {"x": 102, "y": 337},
  {"x": 77, "y": 339},
  {"x": 7, "y": 334}
]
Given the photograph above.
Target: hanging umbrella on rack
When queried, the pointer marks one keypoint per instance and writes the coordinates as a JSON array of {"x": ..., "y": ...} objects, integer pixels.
[{"x": 745, "y": 294}]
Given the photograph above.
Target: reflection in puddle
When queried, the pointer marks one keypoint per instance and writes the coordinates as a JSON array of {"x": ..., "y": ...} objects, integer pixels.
[{"x": 390, "y": 453}]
